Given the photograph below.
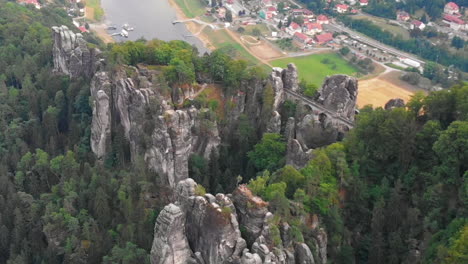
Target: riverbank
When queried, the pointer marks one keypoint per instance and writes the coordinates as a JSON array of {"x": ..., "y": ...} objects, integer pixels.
[
  {"x": 100, "y": 29},
  {"x": 194, "y": 28}
]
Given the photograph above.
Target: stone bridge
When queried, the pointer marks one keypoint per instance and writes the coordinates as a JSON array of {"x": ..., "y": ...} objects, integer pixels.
[{"x": 318, "y": 108}]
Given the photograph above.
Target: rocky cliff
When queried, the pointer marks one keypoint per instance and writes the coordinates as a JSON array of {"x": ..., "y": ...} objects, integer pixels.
[
  {"x": 132, "y": 101},
  {"x": 202, "y": 228},
  {"x": 318, "y": 121},
  {"x": 72, "y": 54}
]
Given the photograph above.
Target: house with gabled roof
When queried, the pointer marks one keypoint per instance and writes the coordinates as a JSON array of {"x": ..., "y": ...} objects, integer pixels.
[
  {"x": 451, "y": 8},
  {"x": 324, "y": 38},
  {"x": 293, "y": 28}
]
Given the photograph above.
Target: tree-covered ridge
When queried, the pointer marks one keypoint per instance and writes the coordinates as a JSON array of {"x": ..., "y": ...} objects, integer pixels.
[
  {"x": 395, "y": 188},
  {"x": 399, "y": 177},
  {"x": 56, "y": 204}
]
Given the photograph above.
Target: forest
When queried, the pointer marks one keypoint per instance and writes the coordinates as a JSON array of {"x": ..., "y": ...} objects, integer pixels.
[{"x": 395, "y": 188}]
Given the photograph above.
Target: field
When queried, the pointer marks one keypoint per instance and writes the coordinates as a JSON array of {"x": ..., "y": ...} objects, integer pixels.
[
  {"x": 312, "y": 68},
  {"x": 261, "y": 27},
  {"x": 191, "y": 8},
  {"x": 94, "y": 10},
  {"x": 221, "y": 38},
  {"x": 378, "y": 91},
  {"x": 382, "y": 23}
]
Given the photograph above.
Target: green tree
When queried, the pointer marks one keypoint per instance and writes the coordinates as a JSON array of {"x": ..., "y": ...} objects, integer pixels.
[
  {"x": 458, "y": 42},
  {"x": 268, "y": 154},
  {"x": 127, "y": 255}
]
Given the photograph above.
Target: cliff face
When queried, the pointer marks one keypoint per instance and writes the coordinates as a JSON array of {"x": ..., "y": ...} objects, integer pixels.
[
  {"x": 71, "y": 53},
  {"x": 163, "y": 136},
  {"x": 131, "y": 102},
  {"x": 208, "y": 227},
  {"x": 312, "y": 126}
]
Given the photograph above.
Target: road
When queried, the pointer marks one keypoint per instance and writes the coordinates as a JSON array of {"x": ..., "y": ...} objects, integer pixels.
[
  {"x": 371, "y": 42},
  {"x": 320, "y": 107}
]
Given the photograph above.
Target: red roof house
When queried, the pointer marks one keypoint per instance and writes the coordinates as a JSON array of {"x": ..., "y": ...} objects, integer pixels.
[
  {"x": 417, "y": 24},
  {"x": 301, "y": 40},
  {"x": 341, "y": 8},
  {"x": 30, "y": 2},
  {"x": 293, "y": 28},
  {"x": 312, "y": 28},
  {"x": 324, "y": 38},
  {"x": 363, "y": 2},
  {"x": 402, "y": 16},
  {"x": 451, "y": 8},
  {"x": 455, "y": 22},
  {"x": 83, "y": 29},
  {"x": 322, "y": 19}
]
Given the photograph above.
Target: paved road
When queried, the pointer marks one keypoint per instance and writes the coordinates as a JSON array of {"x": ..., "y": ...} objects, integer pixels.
[
  {"x": 371, "y": 42},
  {"x": 330, "y": 113}
]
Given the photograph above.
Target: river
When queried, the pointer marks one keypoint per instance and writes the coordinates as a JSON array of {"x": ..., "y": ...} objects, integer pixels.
[{"x": 150, "y": 18}]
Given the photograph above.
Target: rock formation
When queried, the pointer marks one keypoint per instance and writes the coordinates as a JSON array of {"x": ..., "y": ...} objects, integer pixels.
[
  {"x": 164, "y": 137},
  {"x": 71, "y": 54},
  {"x": 394, "y": 103},
  {"x": 339, "y": 94},
  {"x": 319, "y": 120},
  {"x": 170, "y": 244},
  {"x": 198, "y": 228},
  {"x": 101, "y": 123},
  {"x": 291, "y": 78}
]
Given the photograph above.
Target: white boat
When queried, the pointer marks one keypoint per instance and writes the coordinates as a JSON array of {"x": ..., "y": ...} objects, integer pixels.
[
  {"x": 127, "y": 27},
  {"x": 124, "y": 33}
]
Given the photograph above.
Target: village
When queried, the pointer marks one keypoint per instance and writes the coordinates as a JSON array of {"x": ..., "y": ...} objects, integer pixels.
[
  {"x": 273, "y": 33},
  {"x": 304, "y": 30}
]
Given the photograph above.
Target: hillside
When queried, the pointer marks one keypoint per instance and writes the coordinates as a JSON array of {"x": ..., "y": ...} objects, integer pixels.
[{"x": 109, "y": 153}]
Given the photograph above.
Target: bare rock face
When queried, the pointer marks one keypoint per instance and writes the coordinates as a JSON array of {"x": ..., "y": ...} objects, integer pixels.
[
  {"x": 315, "y": 131},
  {"x": 71, "y": 53},
  {"x": 290, "y": 78},
  {"x": 251, "y": 211},
  {"x": 164, "y": 137},
  {"x": 101, "y": 123},
  {"x": 321, "y": 244},
  {"x": 210, "y": 226},
  {"x": 339, "y": 94},
  {"x": 276, "y": 79},
  {"x": 394, "y": 103},
  {"x": 295, "y": 154},
  {"x": 170, "y": 244},
  {"x": 322, "y": 120},
  {"x": 274, "y": 125},
  {"x": 304, "y": 255}
]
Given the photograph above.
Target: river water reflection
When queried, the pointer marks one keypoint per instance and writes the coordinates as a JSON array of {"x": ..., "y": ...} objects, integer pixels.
[{"x": 150, "y": 18}]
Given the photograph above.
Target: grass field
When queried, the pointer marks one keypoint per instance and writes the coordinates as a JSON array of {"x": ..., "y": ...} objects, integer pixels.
[
  {"x": 262, "y": 27},
  {"x": 95, "y": 6},
  {"x": 191, "y": 8},
  {"x": 382, "y": 23},
  {"x": 313, "y": 70},
  {"x": 221, "y": 39}
]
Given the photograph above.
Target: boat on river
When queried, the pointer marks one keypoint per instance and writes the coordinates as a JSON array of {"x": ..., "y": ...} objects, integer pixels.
[{"x": 127, "y": 27}]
